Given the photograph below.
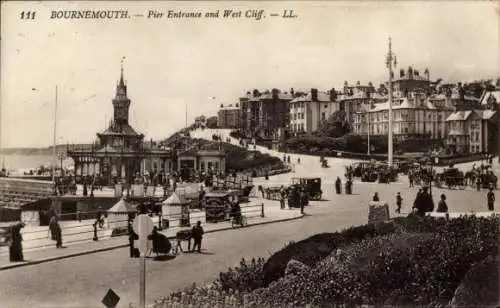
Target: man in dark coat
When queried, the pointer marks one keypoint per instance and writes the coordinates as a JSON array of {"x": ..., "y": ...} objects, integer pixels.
[
  {"x": 56, "y": 232},
  {"x": 197, "y": 234},
  {"x": 491, "y": 200},
  {"x": 132, "y": 236},
  {"x": 423, "y": 202}
]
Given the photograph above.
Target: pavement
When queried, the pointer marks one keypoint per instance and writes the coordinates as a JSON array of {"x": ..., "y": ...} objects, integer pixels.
[
  {"x": 272, "y": 214},
  {"x": 82, "y": 281}
]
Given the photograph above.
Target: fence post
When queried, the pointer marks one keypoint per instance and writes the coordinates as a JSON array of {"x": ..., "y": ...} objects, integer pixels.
[{"x": 262, "y": 210}]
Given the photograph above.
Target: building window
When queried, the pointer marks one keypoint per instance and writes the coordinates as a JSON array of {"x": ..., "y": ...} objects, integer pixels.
[
  {"x": 326, "y": 106},
  {"x": 323, "y": 117}
]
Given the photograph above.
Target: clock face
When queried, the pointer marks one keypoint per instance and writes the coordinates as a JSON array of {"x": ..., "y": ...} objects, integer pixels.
[{"x": 121, "y": 113}]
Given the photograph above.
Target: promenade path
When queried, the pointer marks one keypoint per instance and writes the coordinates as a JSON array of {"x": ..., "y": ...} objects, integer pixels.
[
  {"x": 272, "y": 213},
  {"x": 82, "y": 281}
]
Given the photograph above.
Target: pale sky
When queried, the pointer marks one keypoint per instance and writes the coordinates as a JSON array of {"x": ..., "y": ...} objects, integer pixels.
[{"x": 171, "y": 63}]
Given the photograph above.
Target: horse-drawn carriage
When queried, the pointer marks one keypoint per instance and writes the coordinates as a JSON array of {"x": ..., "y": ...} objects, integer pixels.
[
  {"x": 324, "y": 162},
  {"x": 272, "y": 192},
  {"x": 452, "y": 178},
  {"x": 358, "y": 169},
  {"x": 369, "y": 176},
  {"x": 313, "y": 186},
  {"x": 296, "y": 197}
]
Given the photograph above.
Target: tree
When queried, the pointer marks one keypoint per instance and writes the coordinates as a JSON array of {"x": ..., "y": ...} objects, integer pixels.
[{"x": 335, "y": 126}]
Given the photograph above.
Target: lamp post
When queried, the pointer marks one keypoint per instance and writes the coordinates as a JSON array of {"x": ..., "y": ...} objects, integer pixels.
[
  {"x": 61, "y": 156},
  {"x": 368, "y": 121},
  {"x": 389, "y": 62}
]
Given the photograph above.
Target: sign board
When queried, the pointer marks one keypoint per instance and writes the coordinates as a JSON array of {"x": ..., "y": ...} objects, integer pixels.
[
  {"x": 143, "y": 226},
  {"x": 111, "y": 299},
  {"x": 379, "y": 212}
]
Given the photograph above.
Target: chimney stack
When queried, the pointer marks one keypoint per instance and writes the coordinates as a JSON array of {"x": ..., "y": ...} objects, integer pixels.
[
  {"x": 314, "y": 95},
  {"x": 333, "y": 95}
]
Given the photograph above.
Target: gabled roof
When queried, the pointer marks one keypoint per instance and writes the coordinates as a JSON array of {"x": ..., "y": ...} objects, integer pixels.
[
  {"x": 464, "y": 115},
  {"x": 486, "y": 114},
  {"x": 489, "y": 95}
]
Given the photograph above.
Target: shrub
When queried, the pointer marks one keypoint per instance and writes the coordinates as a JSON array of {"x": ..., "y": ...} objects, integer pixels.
[
  {"x": 317, "y": 247},
  {"x": 399, "y": 268},
  {"x": 480, "y": 286}
]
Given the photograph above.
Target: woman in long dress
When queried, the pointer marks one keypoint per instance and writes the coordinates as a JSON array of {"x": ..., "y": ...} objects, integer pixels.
[{"x": 16, "y": 247}]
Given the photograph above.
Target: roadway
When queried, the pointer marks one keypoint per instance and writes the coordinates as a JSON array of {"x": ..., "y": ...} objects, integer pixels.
[{"x": 83, "y": 281}]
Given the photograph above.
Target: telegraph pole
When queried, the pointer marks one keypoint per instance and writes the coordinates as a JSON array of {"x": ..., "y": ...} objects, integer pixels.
[
  {"x": 389, "y": 62},
  {"x": 54, "y": 158}
]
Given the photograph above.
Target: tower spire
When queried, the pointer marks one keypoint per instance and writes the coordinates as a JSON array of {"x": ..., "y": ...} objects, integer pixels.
[{"x": 122, "y": 83}]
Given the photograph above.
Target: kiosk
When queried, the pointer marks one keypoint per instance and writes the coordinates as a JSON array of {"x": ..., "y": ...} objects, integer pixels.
[{"x": 177, "y": 207}]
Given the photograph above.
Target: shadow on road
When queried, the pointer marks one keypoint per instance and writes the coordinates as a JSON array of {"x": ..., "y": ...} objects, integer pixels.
[{"x": 163, "y": 258}]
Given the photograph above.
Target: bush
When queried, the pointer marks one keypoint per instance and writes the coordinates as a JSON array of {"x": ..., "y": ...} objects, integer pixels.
[
  {"x": 480, "y": 286},
  {"x": 245, "y": 278},
  {"x": 317, "y": 247},
  {"x": 399, "y": 268}
]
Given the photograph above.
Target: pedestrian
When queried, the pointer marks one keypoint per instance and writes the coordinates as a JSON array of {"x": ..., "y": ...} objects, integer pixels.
[
  {"x": 132, "y": 236},
  {"x": 197, "y": 234},
  {"x": 302, "y": 200},
  {"x": 298, "y": 161},
  {"x": 478, "y": 183},
  {"x": 15, "y": 245},
  {"x": 442, "y": 206},
  {"x": 282, "y": 197},
  {"x": 410, "y": 178},
  {"x": 375, "y": 197},
  {"x": 338, "y": 186},
  {"x": 399, "y": 202},
  {"x": 55, "y": 231},
  {"x": 491, "y": 200}
]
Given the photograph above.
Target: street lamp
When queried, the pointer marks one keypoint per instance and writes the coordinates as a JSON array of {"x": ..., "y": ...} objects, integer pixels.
[
  {"x": 389, "y": 61},
  {"x": 61, "y": 156}
]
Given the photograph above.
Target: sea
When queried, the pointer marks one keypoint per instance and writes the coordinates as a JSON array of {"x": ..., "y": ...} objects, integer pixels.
[{"x": 15, "y": 163}]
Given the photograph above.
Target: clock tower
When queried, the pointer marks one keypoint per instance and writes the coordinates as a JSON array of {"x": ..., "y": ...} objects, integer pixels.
[{"x": 121, "y": 102}]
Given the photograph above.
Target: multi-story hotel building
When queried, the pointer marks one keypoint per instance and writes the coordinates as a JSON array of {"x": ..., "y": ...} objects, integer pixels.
[
  {"x": 471, "y": 131},
  {"x": 309, "y": 110},
  {"x": 357, "y": 98},
  {"x": 267, "y": 114},
  {"x": 415, "y": 112},
  {"x": 229, "y": 116}
]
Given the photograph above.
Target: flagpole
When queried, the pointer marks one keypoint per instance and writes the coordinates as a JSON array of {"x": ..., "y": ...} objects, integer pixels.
[
  {"x": 390, "y": 141},
  {"x": 368, "y": 115},
  {"x": 54, "y": 158}
]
